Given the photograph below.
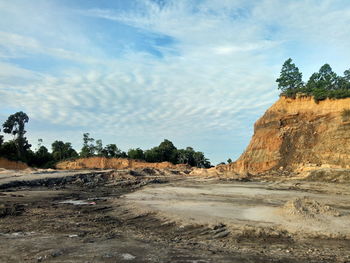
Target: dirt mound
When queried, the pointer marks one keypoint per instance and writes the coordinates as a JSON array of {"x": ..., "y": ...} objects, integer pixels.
[
  {"x": 12, "y": 165},
  {"x": 308, "y": 208},
  {"x": 218, "y": 171},
  {"x": 329, "y": 175},
  {"x": 115, "y": 163}
]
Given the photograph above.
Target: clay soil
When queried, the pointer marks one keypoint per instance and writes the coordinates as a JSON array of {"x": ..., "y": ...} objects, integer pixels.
[{"x": 156, "y": 216}]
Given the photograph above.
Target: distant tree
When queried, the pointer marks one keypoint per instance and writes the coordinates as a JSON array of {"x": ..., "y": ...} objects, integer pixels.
[
  {"x": 229, "y": 160},
  {"x": 200, "y": 160},
  {"x": 43, "y": 158},
  {"x": 123, "y": 155},
  {"x": 1, "y": 140},
  {"x": 290, "y": 79},
  {"x": 152, "y": 155},
  {"x": 15, "y": 125},
  {"x": 9, "y": 150},
  {"x": 99, "y": 148},
  {"x": 167, "y": 152},
  {"x": 40, "y": 142},
  {"x": 61, "y": 150},
  {"x": 136, "y": 154},
  {"x": 347, "y": 75},
  {"x": 111, "y": 151},
  {"x": 88, "y": 149},
  {"x": 191, "y": 157},
  {"x": 184, "y": 156},
  {"x": 346, "y": 80}
]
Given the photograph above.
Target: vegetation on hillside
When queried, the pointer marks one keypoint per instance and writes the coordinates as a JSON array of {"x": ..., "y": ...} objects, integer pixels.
[
  {"x": 19, "y": 149},
  {"x": 321, "y": 85}
]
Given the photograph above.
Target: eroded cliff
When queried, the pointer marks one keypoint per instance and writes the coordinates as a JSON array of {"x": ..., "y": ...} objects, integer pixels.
[{"x": 296, "y": 134}]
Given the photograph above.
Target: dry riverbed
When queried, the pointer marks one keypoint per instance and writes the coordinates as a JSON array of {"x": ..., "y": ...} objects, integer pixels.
[{"x": 156, "y": 216}]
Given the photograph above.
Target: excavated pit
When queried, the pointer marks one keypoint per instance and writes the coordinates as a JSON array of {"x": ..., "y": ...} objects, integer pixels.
[{"x": 155, "y": 215}]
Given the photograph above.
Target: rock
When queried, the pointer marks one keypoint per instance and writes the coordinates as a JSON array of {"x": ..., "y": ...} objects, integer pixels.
[{"x": 222, "y": 234}]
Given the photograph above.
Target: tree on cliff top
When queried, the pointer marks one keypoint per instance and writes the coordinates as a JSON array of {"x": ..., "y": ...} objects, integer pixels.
[
  {"x": 325, "y": 79},
  {"x": 290, "y": 79}
]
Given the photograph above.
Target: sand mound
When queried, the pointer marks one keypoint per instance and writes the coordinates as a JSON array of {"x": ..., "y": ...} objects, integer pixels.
[
  {"x": 308, "y": 208},
  {"x": 329, "y": 175}
]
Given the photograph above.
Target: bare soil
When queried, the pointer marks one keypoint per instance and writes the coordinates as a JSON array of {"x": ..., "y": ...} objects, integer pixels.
[{"x": 162, "y": 216}]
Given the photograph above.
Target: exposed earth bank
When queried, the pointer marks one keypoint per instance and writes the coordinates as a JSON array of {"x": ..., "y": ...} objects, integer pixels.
[
  {"x": 115, "y": 163},
  {"x": 298, "y": 135},
  {"x": 7, "y": 164}
]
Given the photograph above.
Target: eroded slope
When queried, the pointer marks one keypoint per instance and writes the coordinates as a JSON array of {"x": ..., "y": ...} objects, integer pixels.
[{"x": 298, "y": 133}]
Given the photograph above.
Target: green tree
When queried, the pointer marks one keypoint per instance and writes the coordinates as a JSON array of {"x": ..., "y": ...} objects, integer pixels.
[
  {"x": 347, "y": 75},
  {"x": 9, "y": 150},
  {"x": 290, "y": 80},
  {"x": 200, "y": 160},
  {"x": 99, "y": 148},
  {"x": 43, "y": 158},
  {"x": 167, "y": 152},
  {"x": 88, "y": 148},
  {"x": 152, "y": 155},
  {"x": 229, "y": 160},
  {"x": 61, "y": 150},
  {"x": 186, "y": 156},
  {"x": 346, "y": 80},
  {"x": 1, "y": 139},
  {"x": 136, "y": 154},
  {"x": 323, "y": 80},
  {"x": 111, "y": 151},
  {"x": 15, "y": 125}
]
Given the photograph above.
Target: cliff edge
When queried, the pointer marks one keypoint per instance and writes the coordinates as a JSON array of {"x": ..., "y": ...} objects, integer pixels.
[{"x": 298, "y": 134}]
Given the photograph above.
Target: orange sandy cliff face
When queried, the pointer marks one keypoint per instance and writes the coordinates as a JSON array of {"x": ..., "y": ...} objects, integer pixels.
[
  {"x": 7, "y": 164},
  {"x": 114, "y": 163},
  {"x": 296, "y": 133}
]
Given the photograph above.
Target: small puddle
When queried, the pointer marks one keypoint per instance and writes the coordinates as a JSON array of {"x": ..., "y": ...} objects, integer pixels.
[
  {"x": 127, "y": 256},
  {"x": 77, "y": 202}
]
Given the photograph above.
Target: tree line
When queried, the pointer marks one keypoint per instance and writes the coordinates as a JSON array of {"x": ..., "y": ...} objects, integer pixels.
[
  {"x": 321, "y": 85},
  {"x": 19, "y": 149}
]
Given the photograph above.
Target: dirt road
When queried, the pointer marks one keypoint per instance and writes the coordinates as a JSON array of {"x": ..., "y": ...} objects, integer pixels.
[{"x": 144, "y": 216}]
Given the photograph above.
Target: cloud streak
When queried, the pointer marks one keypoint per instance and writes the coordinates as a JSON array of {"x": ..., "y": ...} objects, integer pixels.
[{"x": 196, "y": 73}]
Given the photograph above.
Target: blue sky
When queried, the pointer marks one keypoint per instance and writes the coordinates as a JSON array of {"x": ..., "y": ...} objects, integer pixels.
[{"x": 134, "y": 72}]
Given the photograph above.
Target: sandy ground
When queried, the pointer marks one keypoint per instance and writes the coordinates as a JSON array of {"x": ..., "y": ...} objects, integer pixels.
[
  {"x": 128, "y": 216},
  {"x": 238, "y": 205}
]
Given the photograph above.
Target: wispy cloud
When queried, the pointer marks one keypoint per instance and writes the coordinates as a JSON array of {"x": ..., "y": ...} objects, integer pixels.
[{"x": 196, "y": 72}]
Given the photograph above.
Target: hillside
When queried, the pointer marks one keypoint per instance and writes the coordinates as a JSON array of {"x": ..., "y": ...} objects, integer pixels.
[{"x": 297, "y": 134}]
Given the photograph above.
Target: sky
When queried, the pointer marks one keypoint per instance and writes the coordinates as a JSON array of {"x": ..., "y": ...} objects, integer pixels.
[{"x": 136, "y": 72}]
